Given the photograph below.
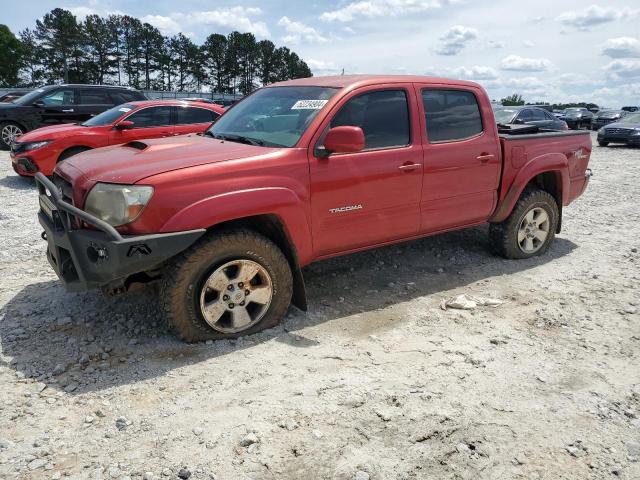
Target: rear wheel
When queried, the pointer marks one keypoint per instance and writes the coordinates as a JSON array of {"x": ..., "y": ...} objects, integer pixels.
[
  {"x": 230, "y": 284},
  {"x": 530, "y": 228},
  {"x": 70, "y": 152},
  {"x": 9, "y": 132}
]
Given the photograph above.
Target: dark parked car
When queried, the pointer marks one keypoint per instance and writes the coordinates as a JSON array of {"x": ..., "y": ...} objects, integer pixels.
[
  {"x": 626, "y": 130},
  {"x": 529, "y": 116},
  {"x": 605, "y": 117},
  {"x": 577, "y": 117},
  {"x": 56, "y": 104},
  {"x": 630, "y": 109},
  {"x": 11, "y": 96}
]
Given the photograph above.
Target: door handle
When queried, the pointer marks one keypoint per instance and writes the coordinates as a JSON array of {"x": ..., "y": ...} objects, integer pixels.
[
  {"x": 485, "y": 157},
  {"x": 68, "y": 110},
  {"x": 409, "y": 166}
]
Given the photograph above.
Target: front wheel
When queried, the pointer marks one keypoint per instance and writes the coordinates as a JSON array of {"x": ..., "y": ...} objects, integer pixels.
[
  {"x": 530, "y": 228},
  {"x": 9, "y": 132},
  {"x": 228, "y": 285},
  {"x": 602, "y": 143}
]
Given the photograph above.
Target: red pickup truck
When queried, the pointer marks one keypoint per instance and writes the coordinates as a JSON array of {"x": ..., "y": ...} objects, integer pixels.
[{"x": 300, "y": 171}]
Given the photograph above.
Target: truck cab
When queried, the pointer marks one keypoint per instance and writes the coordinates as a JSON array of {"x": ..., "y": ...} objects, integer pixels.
[{"x": 297, "y": 172}]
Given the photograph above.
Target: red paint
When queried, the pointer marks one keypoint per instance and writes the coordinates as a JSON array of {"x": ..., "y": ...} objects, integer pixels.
[
  {"x": 344, "y": 202},
  {"x": 68, "y": 136}
]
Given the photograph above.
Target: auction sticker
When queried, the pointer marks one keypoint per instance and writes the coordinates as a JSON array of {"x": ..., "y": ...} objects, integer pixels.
[
  {"x": 124, "y": 109},
  {"x": 309, "y": 104}
]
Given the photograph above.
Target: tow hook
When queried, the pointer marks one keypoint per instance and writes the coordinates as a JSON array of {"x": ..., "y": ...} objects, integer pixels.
[
  {"x": 588, "y": 173},
  {"x": 44, "y": 235}
]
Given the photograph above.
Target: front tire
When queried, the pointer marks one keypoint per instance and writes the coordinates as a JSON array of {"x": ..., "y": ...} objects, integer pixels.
[
  {"x": 9, "y": 132},
  {"x": 530, "y": 228},
  {"x": 602, "y": 143},
  {"x": 227, "y": 285}
]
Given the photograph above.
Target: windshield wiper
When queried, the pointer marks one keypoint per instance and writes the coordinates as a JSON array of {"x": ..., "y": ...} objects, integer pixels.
[{"x": 238, "y": 138}]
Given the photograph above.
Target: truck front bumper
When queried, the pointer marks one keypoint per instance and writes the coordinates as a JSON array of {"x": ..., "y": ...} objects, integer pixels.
[{"x": 85, "y": 259}]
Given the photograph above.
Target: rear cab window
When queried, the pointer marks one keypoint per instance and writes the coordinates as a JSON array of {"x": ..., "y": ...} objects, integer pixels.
[{"x": 451, "y": 115}]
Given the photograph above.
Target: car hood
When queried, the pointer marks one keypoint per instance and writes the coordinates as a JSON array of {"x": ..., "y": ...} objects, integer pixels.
[
  {"x": 52, "y": 132},
  {"x": 626, "y": 125},
  {"x": 134, "y": 161}
]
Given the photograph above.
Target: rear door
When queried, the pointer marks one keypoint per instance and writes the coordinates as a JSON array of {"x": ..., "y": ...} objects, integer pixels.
[
  {"x": 372, "y": 196},
  {"x": 191, "y": 119},
  {"x": 58, "y": 106},
  {"x": 461, "y": 158},
  {"x": 148, "y": 122},
  {"x": 92, "y": 101}
]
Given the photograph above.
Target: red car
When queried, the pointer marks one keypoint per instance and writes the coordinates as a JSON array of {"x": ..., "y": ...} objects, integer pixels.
[
  {"x": 41, "y": 149},
  {"x": 297, "y": 172}
]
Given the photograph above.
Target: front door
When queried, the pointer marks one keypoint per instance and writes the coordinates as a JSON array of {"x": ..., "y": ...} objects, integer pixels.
[
  {"x": 58, "y": 106},
  {"x": 461, "y": 159},
  {"x": 372, "y": 196},
  {"x": 149, "y": 122}
]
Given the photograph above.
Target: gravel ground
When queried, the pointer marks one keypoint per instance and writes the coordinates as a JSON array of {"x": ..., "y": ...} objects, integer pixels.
[{"x": 374, "y": 382}]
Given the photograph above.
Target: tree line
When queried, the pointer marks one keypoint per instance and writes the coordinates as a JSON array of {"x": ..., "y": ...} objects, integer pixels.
[
  {"x": 122, "y": 50},
  {"x": 517, "y": 100}
]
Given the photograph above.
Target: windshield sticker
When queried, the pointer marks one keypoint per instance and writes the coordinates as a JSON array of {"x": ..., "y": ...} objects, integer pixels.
[
  {"x": 124, "y": 109},
  {"x": 309, "y": 104},
  {"x": 40, "y": 90}
]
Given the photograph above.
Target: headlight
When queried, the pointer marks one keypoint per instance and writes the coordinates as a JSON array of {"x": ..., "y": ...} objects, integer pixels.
[
  {"x": 28, "y": 146},
  {"x": 117, "y": 204}
]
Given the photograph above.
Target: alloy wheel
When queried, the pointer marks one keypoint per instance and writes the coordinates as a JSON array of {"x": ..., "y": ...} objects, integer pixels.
[{"x": 533, "y": 230}]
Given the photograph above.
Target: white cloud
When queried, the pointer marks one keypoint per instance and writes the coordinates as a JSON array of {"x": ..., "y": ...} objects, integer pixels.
[
  {"x": 381, "y": 8},
  {"x": 594, "y": 15},
  {"x": 622, "y": 47},
  {"x": 496, "y": 44},
  {"x": 623, "y": 69},
  {"x": 166, "y": 25},
  {"x": 522, "y": 64},
  {"x": 233, "y": 18},
  {"x": 299, "y": 32},
  {"x": 455, "y": 39},
  {"x": 321, "y": 67},
  {"x": 476, "y": 73}
]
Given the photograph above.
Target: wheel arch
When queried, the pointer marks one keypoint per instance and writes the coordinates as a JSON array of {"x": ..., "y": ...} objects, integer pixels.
[{"x": 82, "y": 148}]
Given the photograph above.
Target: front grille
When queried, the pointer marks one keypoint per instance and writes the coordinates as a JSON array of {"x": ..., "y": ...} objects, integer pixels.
[
  {"x": 65, "y": 188},
  {"x": 618, "y": 131}
]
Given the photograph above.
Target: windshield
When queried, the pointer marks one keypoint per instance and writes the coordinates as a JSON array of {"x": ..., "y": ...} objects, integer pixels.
[
  {"x": 631, "y": 118},
  {"x": 273, "y": 116},
  {"x": 30, "y": 97},
  {"x": 108, "y": 117},
  {"x": 504, "y": 115}
]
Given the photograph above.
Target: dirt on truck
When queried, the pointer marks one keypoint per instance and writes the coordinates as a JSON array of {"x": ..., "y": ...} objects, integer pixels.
[{"x": 297, "y": 172}]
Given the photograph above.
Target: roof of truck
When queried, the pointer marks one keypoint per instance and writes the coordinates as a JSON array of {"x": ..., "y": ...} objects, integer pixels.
[{"x": 341, "y": 81}]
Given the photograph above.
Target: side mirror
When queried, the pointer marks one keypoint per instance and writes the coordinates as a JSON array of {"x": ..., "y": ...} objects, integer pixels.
[
  {"x": 344, "y": 140},
  {"x": 519, "y": 121},
  {"x": 124, "y": 125}
]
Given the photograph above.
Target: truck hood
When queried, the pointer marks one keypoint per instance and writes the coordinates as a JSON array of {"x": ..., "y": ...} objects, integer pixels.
[{"x": 133, "y": 161}]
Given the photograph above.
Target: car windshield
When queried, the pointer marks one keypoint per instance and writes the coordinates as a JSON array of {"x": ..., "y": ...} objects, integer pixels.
[
  {"x": 30, "y": 97},
  {"x": 631, "y": 118},
  {"x": 504, "y": 115},
  {"x": 272, "y": 116},
  {"x": 108, "y": 117}
]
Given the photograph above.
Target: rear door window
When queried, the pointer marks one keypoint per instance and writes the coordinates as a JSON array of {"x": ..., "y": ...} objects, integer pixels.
[
  {"x": 189, "y": 115},
  {"x": 94, "y": 97},
  {"x": 538, "y": 115},
  {"x": 451, "y": 115},
  {"x": 151, "y": 117},
  {"x": 383, "y": 116}
]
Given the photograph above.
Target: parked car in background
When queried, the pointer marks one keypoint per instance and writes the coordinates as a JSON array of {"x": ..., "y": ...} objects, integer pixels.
[
  {"x": 41, "y": 149},
  {"x": 11, "y": 96},
  {"x": 529, "y": 116},
  {"x": 626, "y": 130},
  {"x": 57, "y": 104},
  {"x": 604, "y": 117},
  {"x": 631, "y": 109},
  {"x": 558, "y": 113},
  {"x": 577, "y": 117},
  {"x": 298, "y": 172}
]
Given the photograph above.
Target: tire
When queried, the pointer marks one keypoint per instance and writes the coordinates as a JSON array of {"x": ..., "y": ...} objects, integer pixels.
[
  {"x": 504, "y": 237},
  {"x": 183, "y": 289},
  {"x": 70, "y": 152},
  {"x": 9, "y": 131},
  {"x": 603, "y": 143}
]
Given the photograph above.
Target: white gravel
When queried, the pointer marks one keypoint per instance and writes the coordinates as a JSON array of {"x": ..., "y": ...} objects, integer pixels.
[{"x": 374, "y": 382}]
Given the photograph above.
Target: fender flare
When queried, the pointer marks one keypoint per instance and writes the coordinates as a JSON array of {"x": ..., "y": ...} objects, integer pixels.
[
  {"x": 281, "y": 202},
  {"x": 556, "y": 163}
]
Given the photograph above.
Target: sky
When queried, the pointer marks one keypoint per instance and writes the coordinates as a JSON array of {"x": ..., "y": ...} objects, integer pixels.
[{"x": 546, "y": 50}]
